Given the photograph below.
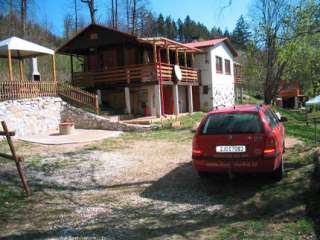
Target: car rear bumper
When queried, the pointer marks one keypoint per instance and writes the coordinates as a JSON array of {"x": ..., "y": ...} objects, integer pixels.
[{"x": 234, "y": 165}]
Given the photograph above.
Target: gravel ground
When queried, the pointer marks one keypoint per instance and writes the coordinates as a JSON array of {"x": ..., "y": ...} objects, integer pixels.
[{"x": 144, "y": 190}]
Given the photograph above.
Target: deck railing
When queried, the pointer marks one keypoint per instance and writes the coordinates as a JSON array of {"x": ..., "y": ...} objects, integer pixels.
[
  {"x": 12, "y": 90},
  {"x": 78, "y": 97},
  {"x": 133, "y": 74},
  {"x": 166, "y": 72}
]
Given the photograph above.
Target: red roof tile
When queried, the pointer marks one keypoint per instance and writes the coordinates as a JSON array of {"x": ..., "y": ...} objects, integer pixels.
[{"x": 213, "y": 42}]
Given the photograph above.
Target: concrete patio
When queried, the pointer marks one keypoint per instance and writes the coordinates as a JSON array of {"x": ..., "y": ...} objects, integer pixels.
[{"x": 79, "y": 136}]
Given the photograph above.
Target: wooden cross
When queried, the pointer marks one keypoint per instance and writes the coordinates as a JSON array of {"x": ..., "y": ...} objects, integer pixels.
[{"x": 18, "y": 159}]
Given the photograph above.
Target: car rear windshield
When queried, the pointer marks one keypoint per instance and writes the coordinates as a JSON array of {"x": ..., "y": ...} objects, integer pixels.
[{"x": 232, "y": 123}]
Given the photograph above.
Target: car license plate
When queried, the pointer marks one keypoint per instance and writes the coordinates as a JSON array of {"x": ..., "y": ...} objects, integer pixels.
[{"x": 231, "y": 149}]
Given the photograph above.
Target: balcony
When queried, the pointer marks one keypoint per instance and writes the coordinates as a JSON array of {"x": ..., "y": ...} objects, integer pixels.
[{"x": 134, "y": 74}]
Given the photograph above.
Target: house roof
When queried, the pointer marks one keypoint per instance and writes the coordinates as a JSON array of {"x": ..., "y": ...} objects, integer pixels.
[
  {"x": 93, "y": 36},
  {"x": 213, "y": 42},
  {"x": 166, "y": 42},
  {"x": 96, "y": 35},
  {"x": 290, "y": 89},
  {"x": 21, "y": 48}
]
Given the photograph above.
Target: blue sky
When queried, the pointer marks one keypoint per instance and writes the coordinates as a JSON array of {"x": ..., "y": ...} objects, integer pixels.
[{"x": 209, "y": 12}]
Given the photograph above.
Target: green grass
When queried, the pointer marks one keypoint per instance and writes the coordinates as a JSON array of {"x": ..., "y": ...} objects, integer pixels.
[
  {"x": 164, "y": 132},
  {"x": 296, "y": 125}
]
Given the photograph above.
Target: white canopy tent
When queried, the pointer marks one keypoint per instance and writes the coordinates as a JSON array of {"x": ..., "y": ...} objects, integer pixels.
[
  {"x": 313, "y": 101},
  {"x": 17, "y": 48}
]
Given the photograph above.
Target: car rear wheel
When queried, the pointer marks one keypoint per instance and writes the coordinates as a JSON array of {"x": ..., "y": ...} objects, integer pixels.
[{"x": 278, "y": 173}]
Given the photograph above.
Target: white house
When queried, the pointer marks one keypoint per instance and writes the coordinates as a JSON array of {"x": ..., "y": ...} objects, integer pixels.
[{"x": 216, "y": 63}]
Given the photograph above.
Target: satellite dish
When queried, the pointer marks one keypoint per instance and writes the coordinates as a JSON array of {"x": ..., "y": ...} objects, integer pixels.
[{"x": 177, "y": 72}]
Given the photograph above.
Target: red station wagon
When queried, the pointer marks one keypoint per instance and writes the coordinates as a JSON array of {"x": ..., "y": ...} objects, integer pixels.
[{"x": 244, "y": 138}]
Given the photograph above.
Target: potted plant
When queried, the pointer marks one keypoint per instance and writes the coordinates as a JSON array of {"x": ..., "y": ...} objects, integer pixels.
[{"x": 66, "y": 127}]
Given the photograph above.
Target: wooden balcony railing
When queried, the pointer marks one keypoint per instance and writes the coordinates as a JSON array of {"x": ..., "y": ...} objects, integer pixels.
[
  {"x": 166, "y": 72},
  {"x": 133, "y": 74}
]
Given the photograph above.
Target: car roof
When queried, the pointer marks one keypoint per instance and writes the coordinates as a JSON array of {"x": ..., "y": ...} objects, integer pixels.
[{"x": 239, "y": 108}]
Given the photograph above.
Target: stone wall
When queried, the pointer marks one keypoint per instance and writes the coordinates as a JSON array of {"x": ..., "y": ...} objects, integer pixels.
[{"x": 43, "y": 115}]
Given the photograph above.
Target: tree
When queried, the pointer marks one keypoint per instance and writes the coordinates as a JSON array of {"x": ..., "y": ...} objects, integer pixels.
[
  {"x": 68, "y": 29},
  {"x": 23, "y": 18},
  {"x": 92, "y": 9},
  {"x": 241, "y": 34},
  {"x": 270, "y": 29},
  {"x": 161, "y": 26}
]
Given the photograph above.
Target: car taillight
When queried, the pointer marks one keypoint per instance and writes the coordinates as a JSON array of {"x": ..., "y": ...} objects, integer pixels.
[
  {"x": 270, "y": 148},
  {"x": 196, "y": 151}
]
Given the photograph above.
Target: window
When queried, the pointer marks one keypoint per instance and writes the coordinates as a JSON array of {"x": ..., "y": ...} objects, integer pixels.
[
  {"x": 205, "y": 89},
  {"x": 218, "y": 64},
  {"x": 227, "y": 66},
  {"x": 232, "y": 123},
  {"x": 271, "y": 119}
]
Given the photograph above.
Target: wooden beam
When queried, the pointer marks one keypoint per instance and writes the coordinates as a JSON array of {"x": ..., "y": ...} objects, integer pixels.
[
  {"x": 54, "y": 74},
  {"x": 155, "y": 53},
  {"x": 10, "y": 65},
  {"x": 192, "y": 59},
  {"x": 185, "y": 59},
  {"x": 177, "y": 57},
  {"x": 71, "y": 62},
  {"x": 168, "y": 55},
  {"x": 2, "y": 133},
  {"x": 21, "y": 69}
]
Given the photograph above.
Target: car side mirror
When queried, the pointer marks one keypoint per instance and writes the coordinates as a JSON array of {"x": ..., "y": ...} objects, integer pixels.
[
  {"x": 284, "y": 119},
  {"x": 193, "y": 130}
]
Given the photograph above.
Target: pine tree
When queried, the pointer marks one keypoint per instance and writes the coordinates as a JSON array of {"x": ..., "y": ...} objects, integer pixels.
[
  {"x": 241, "y": 34},
  {"x": 161, "y": 31}
]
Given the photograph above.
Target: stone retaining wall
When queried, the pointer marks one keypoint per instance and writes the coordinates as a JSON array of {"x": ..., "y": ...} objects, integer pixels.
[{"x": 43, "y": 115}]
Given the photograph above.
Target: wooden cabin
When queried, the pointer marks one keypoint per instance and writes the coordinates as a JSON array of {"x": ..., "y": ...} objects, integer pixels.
[{"x": 135, "y": 76}]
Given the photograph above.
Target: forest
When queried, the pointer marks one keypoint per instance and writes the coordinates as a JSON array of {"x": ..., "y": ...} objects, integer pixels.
[{"x": 278, "y": 41}]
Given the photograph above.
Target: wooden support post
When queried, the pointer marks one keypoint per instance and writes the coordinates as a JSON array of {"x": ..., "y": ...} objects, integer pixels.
[
  {"x": 21, "y": 69},
  {"x": 168, "y": 55},
  {"x": 54, "y": 74},
  {"x": 192, "y": 59},
  {"x": 71, "y": 63},
  {"x": 177, "y": 57},
  {"x": 10, "y": 65},
  {"x": 155, "y": 59},
  {"x": 16, "y": 158},
  {"x": 97, "y": 105},
  {"x": 185, "y": 59}
]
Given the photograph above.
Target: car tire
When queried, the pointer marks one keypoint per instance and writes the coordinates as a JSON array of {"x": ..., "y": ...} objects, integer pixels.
[
  {"x": 203, "y": 175},
  {"x": 278, "y": 173}
]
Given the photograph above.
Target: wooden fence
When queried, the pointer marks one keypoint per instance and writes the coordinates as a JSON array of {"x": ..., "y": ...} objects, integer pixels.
[{"x": 12, "y": 90}]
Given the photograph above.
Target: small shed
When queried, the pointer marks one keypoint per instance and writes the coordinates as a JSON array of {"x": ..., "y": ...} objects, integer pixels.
[{"x": 15, "y": 48}]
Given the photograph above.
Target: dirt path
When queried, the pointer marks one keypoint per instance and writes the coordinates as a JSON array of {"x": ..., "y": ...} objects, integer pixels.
[{"x": 145, "y": 190}]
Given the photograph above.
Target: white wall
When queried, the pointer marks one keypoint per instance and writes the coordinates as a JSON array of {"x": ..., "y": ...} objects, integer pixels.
[
  {"x": 221, "y": 86},
  {"x": 206, "y": 73}
]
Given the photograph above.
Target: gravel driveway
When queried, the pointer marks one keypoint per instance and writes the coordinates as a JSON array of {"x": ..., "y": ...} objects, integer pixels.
[{"x": 141, "y": 190}]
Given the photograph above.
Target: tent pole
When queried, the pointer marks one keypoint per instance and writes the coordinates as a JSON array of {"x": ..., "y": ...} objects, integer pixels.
[
  {"x": 10, "y": 65},
  {"x": 54, "y": 75},
  {"x": 21, "y": 69}
]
